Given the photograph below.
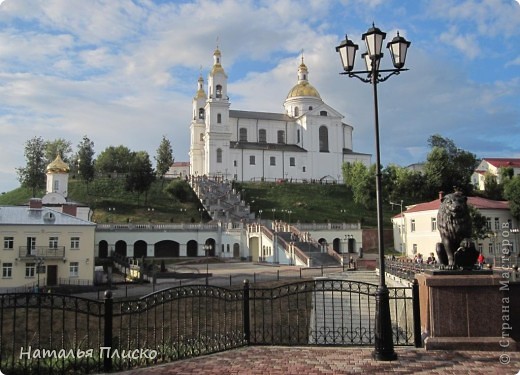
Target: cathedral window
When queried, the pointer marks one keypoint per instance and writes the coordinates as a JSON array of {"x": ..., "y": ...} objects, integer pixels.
[
  {"x": 243, "y": 135},
  {"x": 298, "y": 136},
  {"x": 262, "y": 136},
  {"x": 324, "y": 139},
  {"x": 296, "y": 111},
  {"x": 292, "y": 162},
  {"x": 201, "y": 113},
  {"x": 310, "y": 108},
  {"x": 272, "y": 160},
  {"x": 252, "y": 160},
  {"x": 323, "y": 113},
  {"x": 219, "y": 91},
  {"x": 219, "y": 155},
  {"x": 202, "y": 137},
  {"x": 219, "y": 118},
  {"x": 281, "y": 136}
]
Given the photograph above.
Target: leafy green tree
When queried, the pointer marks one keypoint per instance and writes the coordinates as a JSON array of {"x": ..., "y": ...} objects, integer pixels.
[
  {"x": 164, "y": 158},
  {"x": 141, "y": 174},
  {"x": 479, "y": 230},
  {"x": 179, "y": 190},
  {"x": 448, "y": 167},
  {"x": 114, "y": 160},
  {"x": 492, "y": 188},
  {"x": 512, "y": 194},
  {"x": 85, "y": 159},
  {"x": 58, "y": 146},
  {"x": 33, "y": 174},
  {"x": 361, "y": 179},
  {"x": 401, "y": 183}
]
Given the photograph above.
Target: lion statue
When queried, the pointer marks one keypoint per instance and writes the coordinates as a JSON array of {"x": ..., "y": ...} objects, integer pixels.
[{"x": 454, "y": 224}]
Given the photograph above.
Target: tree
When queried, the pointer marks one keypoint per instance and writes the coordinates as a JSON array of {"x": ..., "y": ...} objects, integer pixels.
[
  {"x": 33, "y": 174},
  {"x": 164, "y": 158},
  {"x": 114, "y": 160},
  {"x": 492, "y": 188},
  {"x": 85, "y": 159},
  {"x": 512, "y": 194},
  {"x": 141, "y": 174},
  {"x": 404, "y": 184},
  {"x": 479, "y": 229},
  {"x": 58, "y": 146},
  {"x": 361, "y": 179},
  {"x": 448, "y": 167}
]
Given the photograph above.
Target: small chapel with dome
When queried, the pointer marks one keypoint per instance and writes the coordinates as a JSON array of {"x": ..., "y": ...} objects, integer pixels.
[{"x": 307, "y": 142}]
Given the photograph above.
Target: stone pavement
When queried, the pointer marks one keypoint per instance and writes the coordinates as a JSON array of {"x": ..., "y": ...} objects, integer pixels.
[{"x": 276, "y": 360}]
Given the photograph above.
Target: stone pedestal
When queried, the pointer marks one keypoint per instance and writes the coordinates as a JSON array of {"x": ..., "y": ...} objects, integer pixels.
[{"x": 465, "y": 312}]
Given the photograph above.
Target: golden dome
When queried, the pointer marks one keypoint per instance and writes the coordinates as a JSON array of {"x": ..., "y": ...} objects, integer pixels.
[
  {"x": 58, "y": 166},
  {"x": 303, "y": 88}
]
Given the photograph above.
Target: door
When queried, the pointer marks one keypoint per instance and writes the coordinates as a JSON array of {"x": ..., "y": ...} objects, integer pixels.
[{"x": 52, "y": 275}]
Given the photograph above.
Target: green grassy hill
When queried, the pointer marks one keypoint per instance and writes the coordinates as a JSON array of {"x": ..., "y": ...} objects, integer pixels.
[{"x": 307, "y": 202}]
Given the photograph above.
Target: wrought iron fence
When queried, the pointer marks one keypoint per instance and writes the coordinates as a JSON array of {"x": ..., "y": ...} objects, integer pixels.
[{"x": 50, "y": 333}]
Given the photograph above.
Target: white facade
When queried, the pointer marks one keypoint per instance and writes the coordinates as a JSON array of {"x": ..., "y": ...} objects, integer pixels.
[
  {"x": 307, "y": 142},
  {"x": 415, "y": 231},
  {"x": 492, "y": 167}
]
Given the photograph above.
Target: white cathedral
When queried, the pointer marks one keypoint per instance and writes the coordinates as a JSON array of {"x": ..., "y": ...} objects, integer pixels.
[{"x": 308, "y": 142}]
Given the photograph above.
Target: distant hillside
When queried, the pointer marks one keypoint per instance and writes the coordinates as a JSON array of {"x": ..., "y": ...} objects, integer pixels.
[{"x": 307, "y": 203}]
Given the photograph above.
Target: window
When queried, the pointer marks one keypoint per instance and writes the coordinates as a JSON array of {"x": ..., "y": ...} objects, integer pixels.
[
  {"x": 8, "y": 243},
  {"x": 497, "y": 223},
  {"x": 298, "y": 136},
  {"x": 252, "y": 160},
  {"x": 74, "y": 269},
  {"x": 480, "y": 247},
  {"x": 296, "y": 112},
  {"x": 490, "y": 248},
  {"x": 53, "y": 242},
  {"x": 262, "y": 136},
  {"x": 7, "y": 270},
  {"x": 219, "y": 91},
  {"x": 303, "y": 169},
  {"x": 201, "y": 113},
  {"x": 292, "y": 162},
  {"x": 219, "y": 155},
  {"x": 31, "y": 245},
  {"x": 234, "y": 163},
  {"x": 488, "y": 223},
  {"x": 414, "y": 248},
  {"x": 272, "y": 160},
  {"x": 323, "y": 113},
  {"x": 434, "y": 224},
  {"x": 310, "y": 108},
  {"x": 74, "y": 243},
  {"x": 324, "y": 139},
  {"x": 30, "y": 269},
  {"x": 412, "y": 225},
  {"x": 219, "y": 118},
  {"x": 56, "y": 185},
  {"x": 242, "y": 135},
  {"x": 201, "y": 138},
  {"x": 281, "y": 136}
]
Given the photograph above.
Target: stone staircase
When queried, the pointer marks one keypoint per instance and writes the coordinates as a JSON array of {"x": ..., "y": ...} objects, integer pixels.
[{"x": 310, "y": 249}]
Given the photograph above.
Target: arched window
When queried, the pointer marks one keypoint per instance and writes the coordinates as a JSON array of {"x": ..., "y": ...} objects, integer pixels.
[
  {"x": 201, "y": 113},
  {"x": 324, "y": 139},
  {"x": 310, "y": 108},
  {"x": 202, "y": 137},
  {"x": 262, "y": 136},
  {"x": 242, "y": 135},
  {"x": 219, "y": 118},
  {"x": 281, "y": 136},
  {"x": 323, "y": 113},
  {"x": 219, "y": 155},
  {"x": 296, "y": 111},
  {"x": 219, "y": 91}
]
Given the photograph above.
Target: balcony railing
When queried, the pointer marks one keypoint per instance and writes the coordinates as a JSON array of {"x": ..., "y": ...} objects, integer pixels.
[{"x": 47, "y": 252}]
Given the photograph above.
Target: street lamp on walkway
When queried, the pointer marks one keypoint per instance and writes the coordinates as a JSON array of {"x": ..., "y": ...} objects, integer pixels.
[
  {"x": 207, "y": 250},
  {"x": 384, "y": 346}
]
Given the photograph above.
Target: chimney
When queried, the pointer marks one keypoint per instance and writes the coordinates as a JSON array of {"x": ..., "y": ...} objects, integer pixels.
[
  {"x": 70, "y": 209},
  {"x": 441, "y": 194},
  {"x": 35, "y": 204}
]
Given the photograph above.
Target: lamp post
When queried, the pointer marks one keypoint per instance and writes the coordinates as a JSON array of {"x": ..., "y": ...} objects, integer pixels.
[
  {"x": 384, "y": 346},
  {"x": 207, "y": 250},
  {"x": 260, "y": 215}
]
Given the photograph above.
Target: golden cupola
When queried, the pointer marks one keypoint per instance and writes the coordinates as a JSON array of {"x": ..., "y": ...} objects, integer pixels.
[
  {"x": 303, "y": 87},
  {"x": 58, "y": 166}
]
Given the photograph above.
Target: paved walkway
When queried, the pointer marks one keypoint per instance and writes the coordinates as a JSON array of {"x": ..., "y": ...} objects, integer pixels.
[{"x": 275, "y": 360}]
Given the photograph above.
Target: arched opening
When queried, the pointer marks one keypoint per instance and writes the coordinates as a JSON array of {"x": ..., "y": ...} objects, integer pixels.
[
  {"x": 236, "y": 250},
  {"x": 336, "y": 245},
  {"x": 218, "y": 91},
  {"x": 191, "y": 248},
  {"x": 166, "y": 249},
  {"x": 103, "y": 249},
  {"x": 219, "y": 155},
  {"x": 140, "y": 248},
  {"x": 201, "y": 113},
  {"x": 120, "y": 248},
  {"x": 324, "y": 139},
  {"x": 210, "y": 250}
]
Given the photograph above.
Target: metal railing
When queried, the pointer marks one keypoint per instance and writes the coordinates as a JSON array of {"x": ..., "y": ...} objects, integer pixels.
[
  {"x": 51, "y": 333},
  {"x": 28, "y": 252}
]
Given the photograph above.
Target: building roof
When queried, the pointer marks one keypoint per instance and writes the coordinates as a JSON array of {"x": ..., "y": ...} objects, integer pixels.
[
  {"x": 24, "y": 215},
  {"x": 477, "y": 202},
  {"x": 260, "y": 115},
  {"x": 58, "y": 166},
  {"x": 503, "y": 162}
]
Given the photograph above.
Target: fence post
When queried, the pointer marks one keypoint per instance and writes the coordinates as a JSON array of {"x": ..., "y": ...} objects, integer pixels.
[
  {"x": 107, "y": 342},
  {"x": 416, "y": 308},
  {"x": 246, "y": 312}
]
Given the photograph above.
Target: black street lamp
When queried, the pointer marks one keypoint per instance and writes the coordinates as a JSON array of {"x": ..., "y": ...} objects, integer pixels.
[
  {"x": 207, "y": 250},
  {"x": 384, "y": 346}
]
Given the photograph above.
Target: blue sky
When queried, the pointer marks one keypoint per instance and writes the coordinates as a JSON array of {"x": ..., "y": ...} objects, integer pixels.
[{"x": 124, "y": 72}]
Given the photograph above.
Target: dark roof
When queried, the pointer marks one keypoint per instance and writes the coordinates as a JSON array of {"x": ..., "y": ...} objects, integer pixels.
[
  {"x": 347, "y": 151},
  {"x": 260, "y": 115},
  {"x": 266, "y": 146}
]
